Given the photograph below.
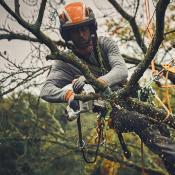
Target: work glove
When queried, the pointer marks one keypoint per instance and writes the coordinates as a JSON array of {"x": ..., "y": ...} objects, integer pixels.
[
  {"x": 74, "y": 104},
  {"x": 78, "y": 84},
  {"x": 72, "y": 110},
  {"x": 69, "y": 97},
  {"x": 108, "y": 91}
]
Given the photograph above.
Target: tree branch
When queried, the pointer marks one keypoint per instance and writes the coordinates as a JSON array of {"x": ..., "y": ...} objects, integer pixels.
[
  {"x": 80, "y": 64},
  {"x": 17, "y": 6},
  {"x": 171, "y": 31},
  {"x": 136, "y": 61},
  {"x": 41, "y": 14},
  {"x": 32, "y": 28},
  {"x": 12, "y": 36},
  {"x": 150, "y": 110},
  {"x": 138, "y": 2},
  {"x": 131, "y": 60},
  {"x": 154, "y": 46},
  {"x": 133, "y": 24},
  {"x": 27, "y": 79}
]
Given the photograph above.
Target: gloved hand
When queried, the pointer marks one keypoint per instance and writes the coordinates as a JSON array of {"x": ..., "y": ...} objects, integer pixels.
[
  {"x": 78, "y": 84},
  {"x": 74, "y": 104},
  {"x": 72, "y": 110},
  {"x": 101, "y": 80},
  {"x": 108, "y": 90},
  {"x": 69, "y": 97}
]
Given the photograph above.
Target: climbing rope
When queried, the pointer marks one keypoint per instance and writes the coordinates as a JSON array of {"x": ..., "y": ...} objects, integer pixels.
[
  {"x": 170, "y": 67},
  {"x": 149, "y": 19},
  {"x": 145, "y": 91},
  {"x": 99, "y": 140}
]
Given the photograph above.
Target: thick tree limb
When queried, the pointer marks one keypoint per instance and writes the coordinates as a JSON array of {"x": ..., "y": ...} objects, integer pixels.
[
  {"x": 17, "y": 6},
  {"x": 80, "y": 64},
  {"x": 154, "y": 46},
  {"x": 133, "y": 24},
  {"x": 150, "y": 111}
]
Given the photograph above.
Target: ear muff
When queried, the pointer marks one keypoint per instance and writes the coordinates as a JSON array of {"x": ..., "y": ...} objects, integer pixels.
[{"x": 64, "y": 34}]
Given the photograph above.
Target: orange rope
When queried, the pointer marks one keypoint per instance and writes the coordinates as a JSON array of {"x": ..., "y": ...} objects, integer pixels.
[
  {"x": 154, "y": 72},
  {"x": 163, "y": 105},
  {"x": 153, "y": 69},
  {"x": 148, "y": 18},
  {"x": 168, "y": 86},
  {"x": 167, "y": 94},
  {"x": 169, "y": 68}
]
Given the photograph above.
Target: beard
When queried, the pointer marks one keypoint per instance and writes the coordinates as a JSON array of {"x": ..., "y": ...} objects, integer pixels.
[{"x": 82, "y": 44}]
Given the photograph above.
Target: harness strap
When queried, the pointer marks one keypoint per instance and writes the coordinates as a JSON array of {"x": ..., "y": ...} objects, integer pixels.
[{"x": 100, "y": 56}]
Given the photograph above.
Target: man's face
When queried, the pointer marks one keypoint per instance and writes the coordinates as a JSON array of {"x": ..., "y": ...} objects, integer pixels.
[{"x": 80, "y": 37}]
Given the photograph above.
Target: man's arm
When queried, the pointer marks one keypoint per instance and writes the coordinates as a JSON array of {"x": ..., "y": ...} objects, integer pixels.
[
  {"x": 52, "y": 93},
  {"x": 58, "y": 84},
  {"x": 119, "y": 71}
]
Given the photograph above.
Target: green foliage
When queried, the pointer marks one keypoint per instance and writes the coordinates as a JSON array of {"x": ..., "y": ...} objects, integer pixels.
[{"x": 36, "y": 139}]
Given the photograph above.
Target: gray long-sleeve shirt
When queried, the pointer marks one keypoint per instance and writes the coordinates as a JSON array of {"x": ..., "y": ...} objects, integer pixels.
[{"x": 62, "y": 73}]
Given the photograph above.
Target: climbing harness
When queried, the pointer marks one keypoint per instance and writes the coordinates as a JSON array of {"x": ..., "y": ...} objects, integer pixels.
[
  {"x": 100, "y": 56},
  {"x": 99, "y": 140}
]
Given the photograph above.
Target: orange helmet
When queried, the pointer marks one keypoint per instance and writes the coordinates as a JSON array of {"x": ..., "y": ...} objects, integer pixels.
[{"x": 75, "y": 15}]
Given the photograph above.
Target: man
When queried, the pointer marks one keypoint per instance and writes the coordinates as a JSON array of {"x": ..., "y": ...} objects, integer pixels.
[{"x": 78, "y": 29}]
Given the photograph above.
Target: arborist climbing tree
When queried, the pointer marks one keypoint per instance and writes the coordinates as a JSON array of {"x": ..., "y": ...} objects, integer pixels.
[
  {"x": 78, "y": 28},
  {"x": 96, "y": 61}
]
